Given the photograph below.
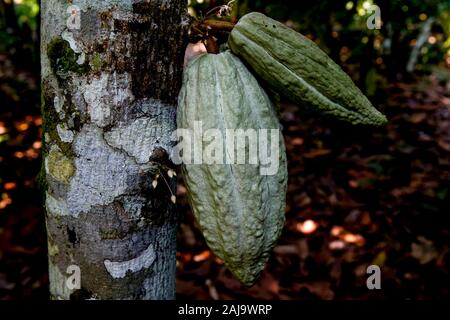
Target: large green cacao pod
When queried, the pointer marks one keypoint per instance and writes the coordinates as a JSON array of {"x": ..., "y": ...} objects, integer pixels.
[
  {"x": 298, "y": 69},
  {"x": 240, "y": 211}
]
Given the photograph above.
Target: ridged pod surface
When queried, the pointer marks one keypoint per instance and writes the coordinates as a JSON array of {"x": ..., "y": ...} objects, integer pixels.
[
  {"x": 240, "y": 211},
  {"x": 298, "y": 69}
]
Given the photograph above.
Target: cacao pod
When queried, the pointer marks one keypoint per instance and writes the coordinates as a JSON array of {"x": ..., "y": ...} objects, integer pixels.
[
  {"x": 298, "y": 69},
  {"x": 239, "y": 210}
]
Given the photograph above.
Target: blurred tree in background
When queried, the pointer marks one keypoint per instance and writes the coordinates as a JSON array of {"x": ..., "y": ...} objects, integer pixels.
[
  {"x": 19, "y": 31},
  {"x": 23, "y": 261}
]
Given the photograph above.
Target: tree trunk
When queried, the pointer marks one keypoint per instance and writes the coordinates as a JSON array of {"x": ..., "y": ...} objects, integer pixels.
[
  {"x": 109, "y": 91},
  {"x": 9, "y": 13}
]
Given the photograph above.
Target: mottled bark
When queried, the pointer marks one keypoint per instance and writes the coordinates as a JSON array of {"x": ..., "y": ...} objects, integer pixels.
[{"x": 109, "y": 93}]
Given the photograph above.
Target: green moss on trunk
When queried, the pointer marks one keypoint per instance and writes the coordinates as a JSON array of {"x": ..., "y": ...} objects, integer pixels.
[{"x": 63, "y": 59}]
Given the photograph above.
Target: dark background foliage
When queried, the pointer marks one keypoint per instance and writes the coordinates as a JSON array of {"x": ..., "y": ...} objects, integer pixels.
[{"x": 356, "y": 197}]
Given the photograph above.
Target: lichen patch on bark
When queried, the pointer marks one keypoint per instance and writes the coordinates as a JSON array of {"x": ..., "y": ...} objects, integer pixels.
[
  {"x": 59, "y": 166},
  {"x": 102, "y": 174},
  {"x": 55, "y": 207},
  {"x": 64, "y": 134},
  {"x": 100, "y": 101},
  {"x": 58, "y": 102},
  {"x": 58, "y": 288},
  {"x": 68, "y": 36},
  {"x": 142, "y": 136},
  {"x": 119, "y": 269}
]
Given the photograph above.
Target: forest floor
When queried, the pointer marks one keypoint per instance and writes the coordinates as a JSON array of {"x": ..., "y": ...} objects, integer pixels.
[{"x": 356, "y": 197}]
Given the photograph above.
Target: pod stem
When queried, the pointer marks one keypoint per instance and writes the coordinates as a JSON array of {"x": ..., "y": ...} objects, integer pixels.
[{"x": 218, "y": 25}]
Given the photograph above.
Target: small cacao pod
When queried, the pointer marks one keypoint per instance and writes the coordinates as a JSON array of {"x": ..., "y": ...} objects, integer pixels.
[
  {"x": 239, "y": 210},
  {"x": 298, "y": 69}
]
